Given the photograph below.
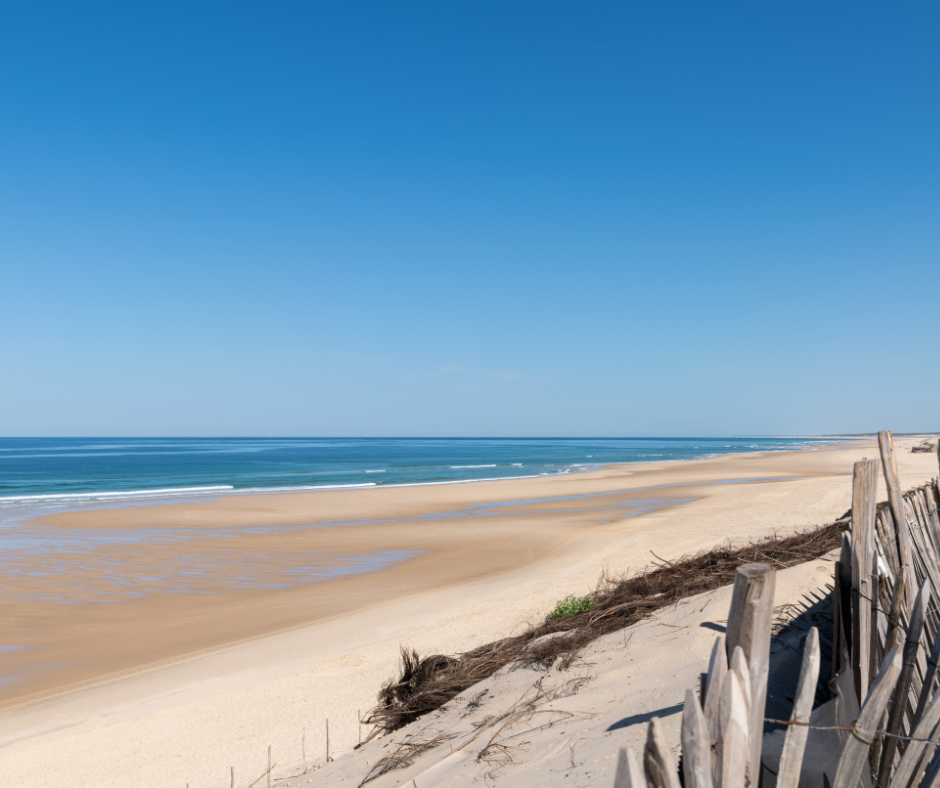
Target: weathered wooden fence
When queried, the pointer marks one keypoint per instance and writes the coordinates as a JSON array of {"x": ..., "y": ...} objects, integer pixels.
[{"x": 882, "y": 726}]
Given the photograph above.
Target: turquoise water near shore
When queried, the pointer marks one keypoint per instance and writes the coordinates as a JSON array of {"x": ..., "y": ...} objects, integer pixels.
[{"x": 59, "y": 470}]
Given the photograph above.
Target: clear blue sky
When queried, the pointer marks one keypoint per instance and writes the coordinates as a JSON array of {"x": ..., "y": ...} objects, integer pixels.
[{"x": 469, "y": 218}]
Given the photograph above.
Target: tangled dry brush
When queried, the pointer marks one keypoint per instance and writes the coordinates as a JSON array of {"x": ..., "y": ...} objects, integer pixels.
[{"x": 426, "y": 684}]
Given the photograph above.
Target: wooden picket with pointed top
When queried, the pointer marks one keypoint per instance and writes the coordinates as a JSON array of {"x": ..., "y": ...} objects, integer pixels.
[
  {"x": 629, "y": 774},
  {"x": 749, "y": 623},
  {"x": 696, "y": 744},
  {"x": 658, "y": 761}
]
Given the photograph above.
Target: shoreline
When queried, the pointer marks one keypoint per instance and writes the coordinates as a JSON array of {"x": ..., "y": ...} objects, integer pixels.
[
  {"x": 277, "y": 682},
  {"x": 212, "y": 491}
]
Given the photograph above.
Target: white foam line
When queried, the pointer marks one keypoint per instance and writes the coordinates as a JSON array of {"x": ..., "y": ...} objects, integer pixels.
[
  {"x": 60, "y": 496},
  {"x": 306, "y": 487},
  {"x": 470, "y": 481},
  {"x": 461, "y": 467}
]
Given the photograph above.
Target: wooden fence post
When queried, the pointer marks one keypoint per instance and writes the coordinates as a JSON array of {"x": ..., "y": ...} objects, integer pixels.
[
  {"x": 889, "y": 465},
  {"x": 749, "y": 625},
  {"x": 864, "y": 494}
]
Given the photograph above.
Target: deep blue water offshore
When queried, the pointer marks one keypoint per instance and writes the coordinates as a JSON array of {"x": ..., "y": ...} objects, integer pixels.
[{"x": 63, "y": 470}]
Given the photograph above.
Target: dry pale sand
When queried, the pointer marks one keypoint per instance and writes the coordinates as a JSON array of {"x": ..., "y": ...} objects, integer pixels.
[
  {"x": 532, "y": 728},
  {"x": 173, "y": 689}
]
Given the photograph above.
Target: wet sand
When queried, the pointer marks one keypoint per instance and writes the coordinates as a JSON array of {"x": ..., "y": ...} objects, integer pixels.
[
  {"x": 178, "y": 685},
  {"x": 139, "y": 586}
]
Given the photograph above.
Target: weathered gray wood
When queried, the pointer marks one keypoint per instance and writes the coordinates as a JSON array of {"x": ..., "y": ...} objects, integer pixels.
[
  {"x": 629, "y": 774},
  {"x": 864, "y": 498},
  {"x": 749, "y": 624},
  {"x": 897, "y": 606},
  {"x": 933, "y": 517},
  {"x": 734, "y": 745},
  {"x": 899, "y": 700},
  {"x": 928, "y": 557},
  {"x": 856, "y": 746},
  {"x": 717, "y": 670},
  {"x": 912, "y": 761},
  {"x": 845, "y": 592},
  {"x": 845, "y": 559},
  {"x": 791, "y": 759},
  {"x": 739, "y": 665},
  {"x": 836, "y": 621},
  {"x": 875, "y": 647},
  {"x": 927, "y": 688},
  {"x": 861, "y": 623},
  {"x": 890, "y": 540},
  {"x": 696, "y": 744},
  {"x": 658, "y": 762},
  {"x": 933, "y": 770},
  {"x": 889, "y": 465}
]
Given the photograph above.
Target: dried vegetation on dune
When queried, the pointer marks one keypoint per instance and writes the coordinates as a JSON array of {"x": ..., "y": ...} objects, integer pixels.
[{"x": 426, "y": 684}]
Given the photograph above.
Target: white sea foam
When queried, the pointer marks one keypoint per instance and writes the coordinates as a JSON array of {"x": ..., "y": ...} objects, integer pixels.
[
  {"x": 126, "y": 494},
  {"x": 381, "y": 471},
  {"x": 460, "y": 467},
  {"x": 473, "y": 481},
  {"x": 306, "y": 487}
]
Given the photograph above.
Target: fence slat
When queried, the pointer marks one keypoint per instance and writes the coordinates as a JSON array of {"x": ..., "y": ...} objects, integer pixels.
[
  {"x": 899, "y": 700},
  {"x": 864, "y": 494},
  {"x": 913, "y": 755},
  {"x": 739, "y": 665},
  {"x": 854, "y": 753},
  {"x": 897, "y": 609},
  {"x": 735, "y": 723},
  {"x": 933, "y": 771},
  {"x": 889, "y": 465},
  {"x": 658, "y": 762},
  {"x": 836, "y": 622},
  {"x": 717, "y": 670},
  {"x": 629, "y": 774},
  {"x": 696, "y": 744},
  {"x": 927, "y": 686},
  {"x": 791, "y": 759},
  {"x": 749, "y": 624}
]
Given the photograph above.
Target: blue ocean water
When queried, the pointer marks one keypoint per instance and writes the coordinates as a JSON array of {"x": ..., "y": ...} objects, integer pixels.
[{"x": 62, "y": 470}]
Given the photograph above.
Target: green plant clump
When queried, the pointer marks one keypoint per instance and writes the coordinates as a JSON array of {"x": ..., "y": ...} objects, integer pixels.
[{"x": 571, "y": 605}]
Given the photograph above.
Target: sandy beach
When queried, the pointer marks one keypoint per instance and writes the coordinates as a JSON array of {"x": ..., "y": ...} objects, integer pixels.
[{"x": 153, "y": 679}]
